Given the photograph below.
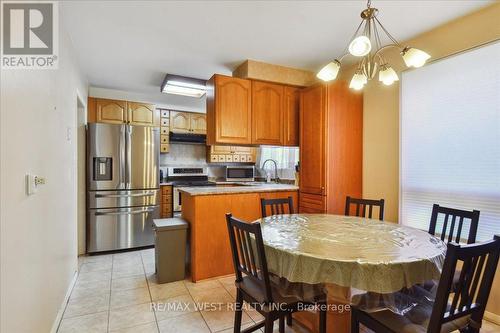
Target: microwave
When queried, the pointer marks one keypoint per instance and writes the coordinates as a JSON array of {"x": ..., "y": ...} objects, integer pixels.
[{"x": 240, "y": 173}]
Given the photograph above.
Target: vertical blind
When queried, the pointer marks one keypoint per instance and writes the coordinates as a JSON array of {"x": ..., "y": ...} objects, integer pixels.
[{"x": 450, "y": 138}]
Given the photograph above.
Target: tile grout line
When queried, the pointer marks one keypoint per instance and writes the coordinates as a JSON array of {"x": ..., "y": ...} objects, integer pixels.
[
  {"x": 201, "y": 314},
  {"x": 110, "y": 288},
  {"x": 149, "y": 291}
]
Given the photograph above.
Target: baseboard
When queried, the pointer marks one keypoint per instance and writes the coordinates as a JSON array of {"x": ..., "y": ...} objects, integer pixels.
[
  {"x": 492, "y": 317},
  {"x": 60, "y": 313}
]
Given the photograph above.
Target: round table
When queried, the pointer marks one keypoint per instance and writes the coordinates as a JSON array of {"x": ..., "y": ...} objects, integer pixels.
[{"x": 365, "y": 254}]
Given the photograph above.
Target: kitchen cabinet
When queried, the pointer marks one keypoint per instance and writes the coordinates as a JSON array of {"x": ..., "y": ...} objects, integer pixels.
[
  {"x": 291, "y": 109},
  {"x": 142, "y": 114},
  {"x": 229, "y": 110},
  {"x": 211, "y": 256},
  {"x": 166, "y": 201},
  {"x": 198, "y": 123},
  {"x": 180, "y": 122},
  {"x": 267, "y": 113},
  {"x": 188, "y": 122},
  {"x": 331, "y": 126},
  {"x": 164, "y": 131},
  {"x": 111, "y": 111},
  {"x": 231, "y": 154},
  {"x": 251, "y": 112}
]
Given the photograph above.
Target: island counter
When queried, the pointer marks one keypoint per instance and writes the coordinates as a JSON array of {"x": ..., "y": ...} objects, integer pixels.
[{"x": 205, "y": 207}]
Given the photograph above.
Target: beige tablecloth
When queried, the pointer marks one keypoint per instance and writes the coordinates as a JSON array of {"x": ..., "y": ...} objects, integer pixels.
[{"x": 359, "y": 253}]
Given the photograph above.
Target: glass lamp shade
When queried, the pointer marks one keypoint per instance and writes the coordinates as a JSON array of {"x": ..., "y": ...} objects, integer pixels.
[
  {"x": 414, "y": 57},
  {"x": 387, "y": 75},
  {"x": 358, "y": 81},
  {"x": 360, "y": 46},
  {"x": 329, "y": 72}
]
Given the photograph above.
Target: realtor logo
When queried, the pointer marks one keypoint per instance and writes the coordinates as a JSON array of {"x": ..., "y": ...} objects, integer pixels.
[{"x": 29, "y": 35}]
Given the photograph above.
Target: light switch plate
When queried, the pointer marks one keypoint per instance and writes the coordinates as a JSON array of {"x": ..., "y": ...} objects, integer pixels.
[{"x": 32, "y": 183}]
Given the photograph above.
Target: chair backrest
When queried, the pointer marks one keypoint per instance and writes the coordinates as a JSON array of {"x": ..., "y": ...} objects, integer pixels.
[
  {"x": 361, "y": 205},
  {"x": 249, "y": 258},
  {"x": 470, "y": 296},
  {"x": 454, "y": 235},
  {"x": 276, "y": 206}
]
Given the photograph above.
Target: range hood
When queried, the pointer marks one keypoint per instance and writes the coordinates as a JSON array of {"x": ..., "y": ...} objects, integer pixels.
[{"x": 188, "y": 138}]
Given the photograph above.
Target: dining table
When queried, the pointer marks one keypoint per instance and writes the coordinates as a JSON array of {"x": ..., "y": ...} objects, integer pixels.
[{"x": 352, "y": 258}]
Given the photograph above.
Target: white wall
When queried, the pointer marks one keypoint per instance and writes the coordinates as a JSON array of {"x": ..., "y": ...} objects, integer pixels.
[
  {"x": 38, "y": 233},
  {"x": 166, "y": 101}
]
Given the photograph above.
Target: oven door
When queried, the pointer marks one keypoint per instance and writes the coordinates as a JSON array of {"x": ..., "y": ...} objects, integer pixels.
[{"x": 177, "y": 200}]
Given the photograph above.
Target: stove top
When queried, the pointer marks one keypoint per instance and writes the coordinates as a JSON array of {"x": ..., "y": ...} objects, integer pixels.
[{"x": 192, "y": 183}]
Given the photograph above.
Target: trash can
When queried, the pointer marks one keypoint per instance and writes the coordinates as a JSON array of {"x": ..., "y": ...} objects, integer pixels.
[{"x": 170, "y": 249}]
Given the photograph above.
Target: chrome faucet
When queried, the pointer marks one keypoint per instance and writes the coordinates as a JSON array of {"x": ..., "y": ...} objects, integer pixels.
[{"x": 276, "y": 178}]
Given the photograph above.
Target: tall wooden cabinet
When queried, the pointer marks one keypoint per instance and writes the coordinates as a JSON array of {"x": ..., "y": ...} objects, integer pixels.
[
  {"x": 291, "y": 98},
  {"x": 331, "y": 126},
  {"x": 229, "y": 110}
]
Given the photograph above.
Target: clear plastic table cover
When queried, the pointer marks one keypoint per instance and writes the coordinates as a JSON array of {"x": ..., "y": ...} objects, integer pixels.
[{"x": 371, "y": 259}]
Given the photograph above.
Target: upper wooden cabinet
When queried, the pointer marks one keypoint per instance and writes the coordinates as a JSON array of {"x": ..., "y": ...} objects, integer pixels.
[
  {"x": 267, "y": 113},
  {"x": 198, "y": 123},
  {"x": 180, "y": 122},
  {"x": 188, "y": 122},
  {"x": 250, "y": 112},
  {"x": 331, "y": 131},
  {"x": 229, "y": 110},
  {"x": 111, "y": 111},
  {"x": 291, "y": 109},
  {"x": 143, "y": 114}
]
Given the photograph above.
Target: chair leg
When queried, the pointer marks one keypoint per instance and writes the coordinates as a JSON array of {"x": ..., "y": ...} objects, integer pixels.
[
  {"x": 268, "y": 327},
  {"x": 282, "y": 324},
  {"x": 354, "y": 322},
  {"x": 238, "y": 313},
  {"x": 289, "y": 318},
  {"x": 322, "y": 321}
]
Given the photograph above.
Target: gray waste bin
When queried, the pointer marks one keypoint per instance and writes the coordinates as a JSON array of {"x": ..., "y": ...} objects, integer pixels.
[{"x": 170, "y": 249}]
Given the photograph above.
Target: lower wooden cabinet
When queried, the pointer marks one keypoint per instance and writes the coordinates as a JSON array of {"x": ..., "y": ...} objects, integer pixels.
[
  {"x": 312, "y": 203},
  {"x": 231, "y": 154},
  {"x": 166, "y": 210}
]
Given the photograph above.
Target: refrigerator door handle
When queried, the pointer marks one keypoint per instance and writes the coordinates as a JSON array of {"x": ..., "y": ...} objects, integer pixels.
[
  {"x": 147, "y": 194},
  {"x": 128, "y": 149},
  {"x": 123, "y": 147},
  {"x": 139, "y": 211}
]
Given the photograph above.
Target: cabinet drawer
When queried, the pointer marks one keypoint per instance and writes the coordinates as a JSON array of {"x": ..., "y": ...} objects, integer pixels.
[
  {"x": 236, "y": 158},
  {"x": 312, "y": 203},
  {"x": 164, "y": 114},
  {"x": 222, "y": 158},
  {"x": 214, "y": 158},
  {"x": 243, "y": 158},
  {"x": 164, "y": 139},
  {"x": 164, "y": 130},
  {"x": 166, "y": 190},
  {"x": 164, "y": 122},
  {"x": 164, "y": 148},
  {"x": 166, "y": 199},
  {"x": 229, "y": 158},
  {"x": 249, "y": 158}
]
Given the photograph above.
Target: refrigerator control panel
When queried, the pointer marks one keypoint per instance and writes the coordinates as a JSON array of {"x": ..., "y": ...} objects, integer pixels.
[{"x": 103, "y": 168}]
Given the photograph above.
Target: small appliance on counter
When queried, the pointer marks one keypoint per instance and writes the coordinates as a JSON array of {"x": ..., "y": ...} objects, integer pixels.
[{"x": 245, "y": 173}]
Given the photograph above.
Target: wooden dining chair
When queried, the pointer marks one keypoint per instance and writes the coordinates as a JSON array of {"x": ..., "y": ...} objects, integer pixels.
[
  {"x": 448, "y": 231},
  {"x": 361, "y": 205},
  {"x": 253, "y": 283},
  {"x": 466, "y": 309},
  {"x": 276, "y": 206}
]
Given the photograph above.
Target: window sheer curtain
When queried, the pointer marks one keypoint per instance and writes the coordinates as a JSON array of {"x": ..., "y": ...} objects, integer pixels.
[
  {"x": 286, "y": 158},
  {"x": 450, "y": 139}
]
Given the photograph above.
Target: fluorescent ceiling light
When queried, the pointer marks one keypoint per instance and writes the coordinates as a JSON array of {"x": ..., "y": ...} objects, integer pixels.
[{"x": 185, "y": 86}]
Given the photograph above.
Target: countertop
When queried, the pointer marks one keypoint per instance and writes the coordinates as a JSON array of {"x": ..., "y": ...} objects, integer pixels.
[{"x": 253, "y": 188}]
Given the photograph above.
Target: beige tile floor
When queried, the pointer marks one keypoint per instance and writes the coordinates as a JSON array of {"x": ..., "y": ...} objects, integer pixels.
[{"x": 118, "y": 293}]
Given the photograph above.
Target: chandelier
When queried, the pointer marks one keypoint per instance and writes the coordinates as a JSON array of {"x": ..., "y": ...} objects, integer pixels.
[{"x": 367, "y": 45}]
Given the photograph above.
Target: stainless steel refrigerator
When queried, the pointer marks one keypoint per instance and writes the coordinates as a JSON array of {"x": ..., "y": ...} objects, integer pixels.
[{"x": 122, "y": 186}]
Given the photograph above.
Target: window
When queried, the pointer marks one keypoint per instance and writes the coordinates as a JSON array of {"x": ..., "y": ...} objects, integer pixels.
[
  {"x": 450, "y": 139},
  {"x": 286, "y": 158}
]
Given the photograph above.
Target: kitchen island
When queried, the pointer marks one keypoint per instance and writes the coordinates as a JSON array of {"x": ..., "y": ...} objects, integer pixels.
[{"x": 205, "y": 207}]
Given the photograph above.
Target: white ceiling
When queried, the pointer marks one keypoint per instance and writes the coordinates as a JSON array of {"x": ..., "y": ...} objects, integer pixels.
[{"x": 130, "y": 45}]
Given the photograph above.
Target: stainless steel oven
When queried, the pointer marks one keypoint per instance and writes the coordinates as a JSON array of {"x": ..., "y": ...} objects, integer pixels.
[
  {"x": 240, "y": 173},
  {"x": 186, "y": 177}
]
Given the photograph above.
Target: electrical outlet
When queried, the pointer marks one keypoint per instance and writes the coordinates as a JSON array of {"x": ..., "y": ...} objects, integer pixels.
[{"x": 32, "y": 183}]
